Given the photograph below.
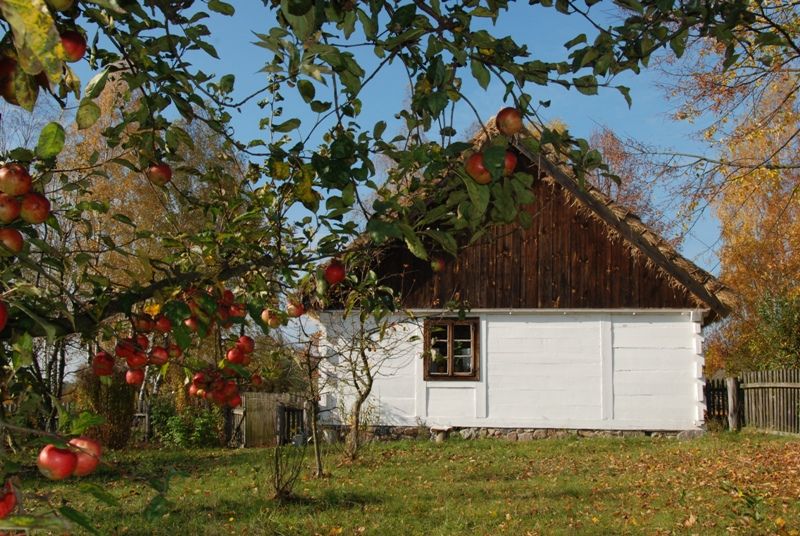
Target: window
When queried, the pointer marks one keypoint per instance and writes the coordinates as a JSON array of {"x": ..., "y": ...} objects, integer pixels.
[{"x": 451, "y": 349}]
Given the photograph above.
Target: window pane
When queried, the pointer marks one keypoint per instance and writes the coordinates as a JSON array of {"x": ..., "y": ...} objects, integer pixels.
[
  {"x": 462, "y": 331},
  {"x": 439, "y": 350},
  {"x": 462, "y": 348}
]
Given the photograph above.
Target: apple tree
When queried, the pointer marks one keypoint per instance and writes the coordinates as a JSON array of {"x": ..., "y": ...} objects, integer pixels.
[{"x": 266, "y": 213}]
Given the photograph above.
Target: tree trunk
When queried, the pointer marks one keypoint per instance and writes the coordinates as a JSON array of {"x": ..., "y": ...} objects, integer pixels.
[
  {"x": 351, "y": 447},
  {"x": 318, "y": 472}
]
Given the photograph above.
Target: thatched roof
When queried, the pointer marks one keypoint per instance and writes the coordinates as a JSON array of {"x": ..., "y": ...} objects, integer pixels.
[{"x": 626, "y": 225}]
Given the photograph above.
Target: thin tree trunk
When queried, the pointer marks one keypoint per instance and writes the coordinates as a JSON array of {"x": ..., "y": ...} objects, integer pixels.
[{"x": 318, "y": 472}]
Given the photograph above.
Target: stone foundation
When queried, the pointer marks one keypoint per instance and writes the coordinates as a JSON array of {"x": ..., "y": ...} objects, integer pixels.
[{"x": 391, "y": 433}]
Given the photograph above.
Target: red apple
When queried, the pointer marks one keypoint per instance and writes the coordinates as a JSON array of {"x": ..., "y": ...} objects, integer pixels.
[
  {"x": 125, "y": 348},
  {"x": 136, "y": 360},
  {"x": 199, "y": 378},
  {"x": 270, "y": 318},
  {"x": 74, "y": 45},
  {"x": 162, "y": 324},
  {"x": 3, "y": 315},
  {"x": 235, "y": 355},
  {"x": 11, "y": 239},
  {"x": 509, "y": 121},
  {"x": 437, "y": 264},
  {"x": 14, "y": 180},
  {"x": 103, "y": 364},
  {"x": 219, "y": 398},
  {"x": 477, "y": 170},
  {"x": 159, "y": 174},
  {"x": 227, "y": 298},
  {"x": 295, "y": 309},
  {"x": 35, "y": 208},
  {"x": 237, "y": 310},
  {"x": 201, "y": 393},
  {"x": 159, "y": 356},
  {"x": 230, "y": 389},
  {"x": 56, "y": 463},
  {"x": 246, "y": 344},
  {"x": 192, "y": 323},
  {"x": 88, "y": 452},
  {"x": 335, "y": 272},
  {"x": 256, "y": 380},
  {"x": 9, "y": 208},
  {"x": 509, "y": 163},
  {"x": 8, "y": 500},
  {"x": 235, "y": 401},
  {"x": 223, "y": 313},
  {"x": 134, "y": 377},
  {"x": 142, "y": 341},
  {"x": 175, "y": 350},
  {"x": 142, "y": 323},
  {"x": 193, "y": 389}
]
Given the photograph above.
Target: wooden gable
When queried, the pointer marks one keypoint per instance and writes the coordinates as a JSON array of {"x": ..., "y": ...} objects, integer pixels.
[{"x": 567, "y": 259}]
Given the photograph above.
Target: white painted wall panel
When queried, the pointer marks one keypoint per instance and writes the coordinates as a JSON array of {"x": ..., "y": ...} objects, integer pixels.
[
  {"x": 538, "y": 363},
  {"x": 447, "y": 402},
  {"x": 603, "y": 370},
  {"x": 654, "y": 369}
]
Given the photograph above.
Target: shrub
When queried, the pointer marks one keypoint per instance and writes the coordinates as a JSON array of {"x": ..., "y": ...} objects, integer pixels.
[{"x": 195, "y": 426}]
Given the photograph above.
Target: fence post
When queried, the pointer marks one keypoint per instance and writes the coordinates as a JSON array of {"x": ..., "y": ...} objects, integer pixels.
[{"x": 733, "y": 403}]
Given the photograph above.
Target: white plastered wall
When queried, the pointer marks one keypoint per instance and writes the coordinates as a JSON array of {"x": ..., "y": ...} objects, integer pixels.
[{"x": 615, "y": 370}]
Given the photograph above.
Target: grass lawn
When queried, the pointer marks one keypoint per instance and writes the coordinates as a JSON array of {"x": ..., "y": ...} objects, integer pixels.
[{"x": 719, "y": 484}]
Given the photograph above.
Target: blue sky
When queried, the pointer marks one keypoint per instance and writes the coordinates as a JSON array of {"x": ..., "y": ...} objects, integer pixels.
[{"x": 543, "y": 30}]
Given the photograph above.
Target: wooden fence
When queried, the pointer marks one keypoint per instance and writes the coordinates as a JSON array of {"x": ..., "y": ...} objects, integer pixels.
[
  {"x": 265, "y": 419},
  {"x": 766, "y": 399},
  {"x": 771, "y": 399}
]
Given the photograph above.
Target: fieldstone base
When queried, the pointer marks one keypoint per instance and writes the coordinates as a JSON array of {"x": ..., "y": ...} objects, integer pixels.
[{"x": 392, "y": 433}]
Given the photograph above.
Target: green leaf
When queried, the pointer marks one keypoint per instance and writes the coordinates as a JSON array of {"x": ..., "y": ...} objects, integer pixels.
[
  {"x": 176, "y": 136},
  {"x": 156, "y": 508},
  {"x": 586, "y": 84},
  {"x": 494, "y": 158},
  {"x": 84, "y": 421},
  {"x": 377, "y": 132},
  {"x": 100, "y": 494},
  {"x": 445, "y": 240},
  {"x": 480, "y": 73},
  {"x": 626, "y": 92},
  {"x": 413, "y": 242},
  {"x": 478, "y": 194},
  {"x": 226, "y": 83},
  {"x": 96, "y": 85},
  {"x": 51, "y": 141},
  {"x": 286, "y": 126},
  {"x": 306, "y": 90},
  {"x": 221, "y": 7},
  {"x": 678, "y": 43},
  {"x": 581, "y": 38},
  {"x": 124, "y": 219},
  {"x": 88, "y": 114},
  {"x": 23, "y": 352},
  {"x": 299, "y": 8},
  {"x": 77, "y": 517}
]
